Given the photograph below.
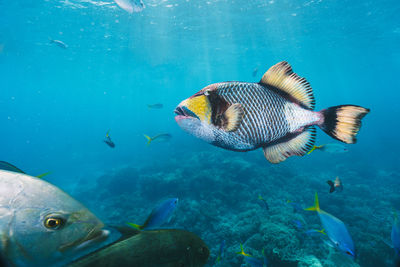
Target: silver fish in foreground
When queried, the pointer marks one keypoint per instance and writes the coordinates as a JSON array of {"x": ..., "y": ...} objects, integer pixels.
[
  {"x": 40, "y": 225},
  {"x": 276, "y": 114},
  {"x": 131, "y": 6}
]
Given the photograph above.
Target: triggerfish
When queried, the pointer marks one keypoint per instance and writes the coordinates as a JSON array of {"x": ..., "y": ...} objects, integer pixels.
[
  {"x": 335, "y": 185},
  {"x": 277, "y": 114},
  {"x": 159, "y": 215},
  {"x": 40, "y": 224},
  {"x": 330, "y": 148},
  {"x": 159, "y": 137},
  {"x": 335, "y": 229}
]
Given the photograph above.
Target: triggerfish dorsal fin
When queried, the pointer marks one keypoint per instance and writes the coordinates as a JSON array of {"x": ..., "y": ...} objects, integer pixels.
[
  {"x": 233, "y": 116},
  {"x": 332, "y": 186},
  {"x": 297, "y": 146},
  {"x": 316, "y": 204},
  {"x": 284, "y": 81}
]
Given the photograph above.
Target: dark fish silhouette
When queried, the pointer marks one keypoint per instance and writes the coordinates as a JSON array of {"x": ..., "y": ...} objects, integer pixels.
[
  {"x": 335, "y": 185},
  {"x": 108, "y": 140},
  {"x": 157, "y": 248}
]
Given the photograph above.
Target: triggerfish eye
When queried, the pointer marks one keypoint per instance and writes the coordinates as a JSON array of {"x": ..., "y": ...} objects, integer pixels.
[{"x": 53, "y": 223}]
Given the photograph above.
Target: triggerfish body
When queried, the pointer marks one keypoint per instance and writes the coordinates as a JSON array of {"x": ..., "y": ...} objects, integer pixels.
[
  {"x": 40, "y": 224},
  {"x": 277, "y": 114},
  {"x": 335, "y": 185},
  {"x": 159, "y": 215},
  {"x": 159, "y": 137},
  {"x": 330, "y": 148},
  {"x": 335, "y": 229}
]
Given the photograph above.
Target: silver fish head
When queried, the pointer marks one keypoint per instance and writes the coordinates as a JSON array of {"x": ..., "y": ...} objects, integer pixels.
[
  {"x": 194, "y": 115},
  {"x": 41, "y": 223}
]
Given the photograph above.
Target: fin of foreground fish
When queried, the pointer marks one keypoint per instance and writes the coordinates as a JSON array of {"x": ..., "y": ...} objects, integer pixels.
[
  {"x": 156, "y": 248},
  {"x": 277, "y": 114},
  {"x": 40, "y": 225}
]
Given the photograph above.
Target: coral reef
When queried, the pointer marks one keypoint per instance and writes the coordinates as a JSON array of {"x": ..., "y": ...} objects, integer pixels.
[{"x": 218, "y": 192}]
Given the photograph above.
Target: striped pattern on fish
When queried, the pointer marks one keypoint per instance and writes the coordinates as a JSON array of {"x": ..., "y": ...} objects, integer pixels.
[{"x": 275, "y": 114}]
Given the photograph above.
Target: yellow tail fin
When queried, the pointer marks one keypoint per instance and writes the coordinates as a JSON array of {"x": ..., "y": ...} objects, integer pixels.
[
  {"x": 149, "y": 139},
  {"x": 316, "y": 204},
  {"x": 314, "y": 148},
  {"x": 43, "y": 175},
  {"x": 136, "y": 226},
  {"x": 241, "y": 252},
  {"x": 322, "y": 231}
]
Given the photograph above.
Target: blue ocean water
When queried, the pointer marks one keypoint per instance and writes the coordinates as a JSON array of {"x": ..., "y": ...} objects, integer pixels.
[{"x": 56, "y": 106}]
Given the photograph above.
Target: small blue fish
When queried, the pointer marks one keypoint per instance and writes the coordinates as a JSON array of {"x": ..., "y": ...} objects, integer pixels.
[
  {"x": 330, "y": 148},
  {"x": 265, "y": 203},
  {"x": 335, "y": 229},
  {"x": 221, "y": 251},
  {"x": 297, "y": 223},
  {"x": 252, "y": 261},
  {"x": 160, "y": 137},
  {"x": 159, "y": 215},
  {"x": 108, "y": 140},
  {"x": 396, "y": 234},
  {"x": 265, "y": 258}
]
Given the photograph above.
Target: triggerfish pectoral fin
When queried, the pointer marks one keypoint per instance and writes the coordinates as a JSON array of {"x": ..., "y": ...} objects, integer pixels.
[{"x": 316, "y": 204}]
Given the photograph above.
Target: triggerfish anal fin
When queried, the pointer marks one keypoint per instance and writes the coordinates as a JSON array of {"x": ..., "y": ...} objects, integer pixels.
[
  {"x": 284, "y": 81},
  {"x": 297, "y": 145},
  {"x": 316, "y": 204}
]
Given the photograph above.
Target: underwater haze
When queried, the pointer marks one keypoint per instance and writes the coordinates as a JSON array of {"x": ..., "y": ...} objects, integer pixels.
[{"x": 59, "y": 100}]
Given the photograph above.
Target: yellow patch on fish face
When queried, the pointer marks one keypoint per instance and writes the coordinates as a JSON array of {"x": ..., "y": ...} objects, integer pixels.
[{"x": 200, "y": 106}]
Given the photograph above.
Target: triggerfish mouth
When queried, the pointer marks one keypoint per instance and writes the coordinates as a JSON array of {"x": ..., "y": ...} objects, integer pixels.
[
  {"x": 336, "y": 230},
  {"x": 40, "y": 225},
  {"x": 276, "y": 114}
]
